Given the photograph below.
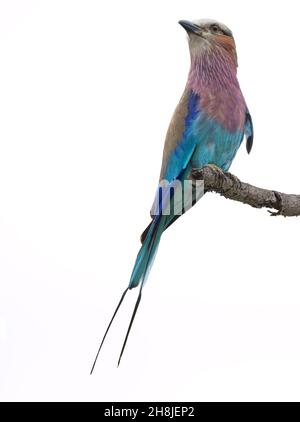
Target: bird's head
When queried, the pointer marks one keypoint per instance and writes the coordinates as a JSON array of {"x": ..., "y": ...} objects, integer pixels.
[{"x": 205, "y": 35}]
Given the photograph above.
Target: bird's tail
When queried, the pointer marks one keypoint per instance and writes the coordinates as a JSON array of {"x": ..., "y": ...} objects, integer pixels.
[
  {"x": 142, "y": 266},
  {"x": 147, "y": 252}
]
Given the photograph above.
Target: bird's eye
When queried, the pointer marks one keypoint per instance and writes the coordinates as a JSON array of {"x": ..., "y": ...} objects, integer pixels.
[{"x": 215, "y": 28}]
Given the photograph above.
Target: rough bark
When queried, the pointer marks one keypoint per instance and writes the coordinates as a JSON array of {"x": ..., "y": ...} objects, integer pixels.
[{"x": 229, "y": 186}]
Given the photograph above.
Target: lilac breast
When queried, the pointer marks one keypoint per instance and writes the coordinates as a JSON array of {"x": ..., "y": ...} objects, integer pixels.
[
  {"x": 226, "y": 106},
  {"x": 213, "y": 77}
]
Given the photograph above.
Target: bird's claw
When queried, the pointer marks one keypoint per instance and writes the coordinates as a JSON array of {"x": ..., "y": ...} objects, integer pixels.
[{"x": 217, "y": 171}]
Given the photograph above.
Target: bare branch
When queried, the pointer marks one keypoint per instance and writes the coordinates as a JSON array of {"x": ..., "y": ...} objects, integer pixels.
[{"x": 229, "y": 186}]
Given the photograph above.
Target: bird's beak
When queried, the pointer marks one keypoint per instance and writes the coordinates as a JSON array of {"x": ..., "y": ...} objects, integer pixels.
[{"x": 190, "y": 27}]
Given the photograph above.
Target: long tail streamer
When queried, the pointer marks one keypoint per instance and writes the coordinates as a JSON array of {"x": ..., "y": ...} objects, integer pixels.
[
  {"x": 109, "y": 325},
  {"x": 130, "y": 324}
]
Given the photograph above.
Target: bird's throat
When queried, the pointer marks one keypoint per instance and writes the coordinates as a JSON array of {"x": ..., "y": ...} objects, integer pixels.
[{"x": 215, "y": 69}]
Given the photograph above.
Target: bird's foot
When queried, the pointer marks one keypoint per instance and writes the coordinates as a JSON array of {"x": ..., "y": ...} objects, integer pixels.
[
  {"x": 217, "y": 171},
  {"x": 223, "y": 176}
]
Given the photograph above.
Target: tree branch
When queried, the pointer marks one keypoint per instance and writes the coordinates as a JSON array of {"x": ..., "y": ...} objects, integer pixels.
[{"x": 229, "y": 186}]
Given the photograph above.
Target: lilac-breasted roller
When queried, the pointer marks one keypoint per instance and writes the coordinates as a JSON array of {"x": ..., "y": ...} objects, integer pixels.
[{"x": 207, "y": 128}]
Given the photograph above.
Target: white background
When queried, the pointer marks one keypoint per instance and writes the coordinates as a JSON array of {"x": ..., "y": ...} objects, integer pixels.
[{"x": 87, "y": 89}]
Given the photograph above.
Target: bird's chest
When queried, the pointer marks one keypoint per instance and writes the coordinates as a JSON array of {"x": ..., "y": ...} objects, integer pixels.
[{"x": 226, "y": 107}]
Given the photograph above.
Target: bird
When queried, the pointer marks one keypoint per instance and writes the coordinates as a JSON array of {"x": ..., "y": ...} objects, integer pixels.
[{"x": 207, "y": 128}]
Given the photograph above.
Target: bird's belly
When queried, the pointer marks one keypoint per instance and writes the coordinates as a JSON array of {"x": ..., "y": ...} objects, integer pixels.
[{"x": 215, "y": 145}]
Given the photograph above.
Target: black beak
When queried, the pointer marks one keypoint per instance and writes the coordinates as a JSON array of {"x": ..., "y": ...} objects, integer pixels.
[{"x": 190, "y": 27}]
